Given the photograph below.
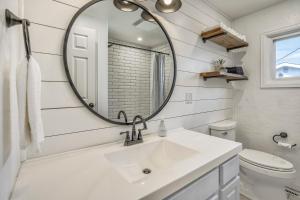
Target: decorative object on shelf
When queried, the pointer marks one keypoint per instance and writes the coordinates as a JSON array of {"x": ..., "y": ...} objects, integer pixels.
[
  {"x": 168, "y": 6},
  {"x": 235, "y": 70},
  {"x": 283, "y": 144},
  {"x": 219, "y": 65},
  {"x": 225, "y": 36},
  {"x": 228, "y": 76},
  {"x": 165, "y": 6}
]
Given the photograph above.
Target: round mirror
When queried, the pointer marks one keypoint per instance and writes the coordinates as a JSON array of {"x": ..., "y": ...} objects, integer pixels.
[{"x": 118, "y": 57}]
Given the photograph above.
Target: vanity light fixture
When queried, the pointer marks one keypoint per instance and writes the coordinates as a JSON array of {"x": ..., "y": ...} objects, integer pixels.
[
  {"x": 125, "y": 5},
  {"x": 165, "y": 6},
  {"x": 147, "y": 17},
  {"x": 168, "y": 6}
]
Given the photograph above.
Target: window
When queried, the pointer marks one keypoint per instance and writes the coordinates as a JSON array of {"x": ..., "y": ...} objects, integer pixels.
[
  {"x": 280, "y": 54},
  {"x": 287, "y": 57}
]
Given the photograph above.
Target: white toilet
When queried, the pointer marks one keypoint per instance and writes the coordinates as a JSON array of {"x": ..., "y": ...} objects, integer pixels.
[{"x": 263, "y": 176}]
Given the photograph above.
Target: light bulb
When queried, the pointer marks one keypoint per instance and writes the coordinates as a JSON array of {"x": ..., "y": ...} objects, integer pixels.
[
  {"x": 125, "y": 5},
  {"x": 168, "y": 2},
  {"x": 168, "y": 6}
]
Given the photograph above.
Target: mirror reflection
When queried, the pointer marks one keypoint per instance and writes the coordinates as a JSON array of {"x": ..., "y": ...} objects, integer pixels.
[{"x": 119, "y": 61}]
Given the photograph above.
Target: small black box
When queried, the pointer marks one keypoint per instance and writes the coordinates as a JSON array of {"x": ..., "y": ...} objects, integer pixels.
[{"x": 235, "y": 70}]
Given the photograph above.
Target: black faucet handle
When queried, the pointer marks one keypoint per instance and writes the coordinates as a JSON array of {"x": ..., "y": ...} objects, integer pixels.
[
  {"x": 127, "y": 135},
  {"x": 124, "y": 132}
]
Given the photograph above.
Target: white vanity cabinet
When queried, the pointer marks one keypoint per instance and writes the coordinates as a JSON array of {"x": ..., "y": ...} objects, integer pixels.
[
  {"x": 202, "y": 188},
  {"x": 231, "y": 191},
  {"x": 222, "y": 183},
  {"x": 230, "y": 180}
]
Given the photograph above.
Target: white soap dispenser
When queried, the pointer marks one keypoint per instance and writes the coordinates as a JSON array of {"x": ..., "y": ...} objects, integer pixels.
[{"x": 162, "y": 131}]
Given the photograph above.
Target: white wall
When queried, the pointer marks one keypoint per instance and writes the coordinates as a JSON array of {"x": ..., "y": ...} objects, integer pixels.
[
  {"x": 68, "y": 125},
  {"x": 9, "y": 135},
  {"x": 261, "y": 113}
]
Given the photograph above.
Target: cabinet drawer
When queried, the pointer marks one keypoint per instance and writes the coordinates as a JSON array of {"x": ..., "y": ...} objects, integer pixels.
[
  {"x": 231, "y": 191},
  {"x": 201, "y": 189},
  {"x": 229, "y": 170}
]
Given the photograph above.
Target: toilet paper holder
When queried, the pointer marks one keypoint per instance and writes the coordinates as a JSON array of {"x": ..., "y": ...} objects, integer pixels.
[{"x": 282, "y": 135}]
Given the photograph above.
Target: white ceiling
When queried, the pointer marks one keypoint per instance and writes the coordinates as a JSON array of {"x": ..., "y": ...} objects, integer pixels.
[{"x": 234, "y": 9}]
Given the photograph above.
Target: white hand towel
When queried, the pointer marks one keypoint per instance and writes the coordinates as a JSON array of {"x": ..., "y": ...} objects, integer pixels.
[
  {"x": 34, "y": 83},
  {"x": 22, "y": 104},
  {"x": 29, "y": 103}
]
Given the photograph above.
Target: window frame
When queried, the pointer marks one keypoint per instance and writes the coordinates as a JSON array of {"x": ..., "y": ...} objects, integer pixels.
[{"x": 268, "y": 59}]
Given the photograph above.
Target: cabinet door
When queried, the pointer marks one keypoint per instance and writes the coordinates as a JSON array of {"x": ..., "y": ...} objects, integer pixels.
[
  {"x": 201, "y": 189},
  {"x": 229, "y": 170},
  {"x": 231, "y": 191}
]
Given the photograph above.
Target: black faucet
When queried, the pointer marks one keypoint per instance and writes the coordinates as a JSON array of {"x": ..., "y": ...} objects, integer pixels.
[
  {"x": 135, "y": 139},
  {"x": 124, "y": 114}
]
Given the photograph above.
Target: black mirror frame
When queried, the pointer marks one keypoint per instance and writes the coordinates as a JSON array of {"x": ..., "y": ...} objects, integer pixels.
[{"x": 77, "y": 14}]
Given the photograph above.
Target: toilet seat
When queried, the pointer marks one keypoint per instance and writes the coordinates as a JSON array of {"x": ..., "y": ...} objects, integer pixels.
[
  {"x": 266, "y": 160},
  {"x": 266, "y": 163}
]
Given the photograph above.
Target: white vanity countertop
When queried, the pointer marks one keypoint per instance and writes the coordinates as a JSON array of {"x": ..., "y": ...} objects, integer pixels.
[{"x": 87, "y": 175}]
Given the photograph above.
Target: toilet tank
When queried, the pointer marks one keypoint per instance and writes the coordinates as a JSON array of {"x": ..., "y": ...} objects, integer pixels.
[{"x": 223, "y": 129}]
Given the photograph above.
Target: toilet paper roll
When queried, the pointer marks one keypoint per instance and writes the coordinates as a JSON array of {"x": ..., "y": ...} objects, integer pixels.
[{"x": 286, "y": 145}]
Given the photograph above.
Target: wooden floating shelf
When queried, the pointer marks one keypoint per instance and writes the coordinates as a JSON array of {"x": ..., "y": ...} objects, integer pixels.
[
  {"x": 224, "y": 38},
  {"x": 228, "y": 76}
]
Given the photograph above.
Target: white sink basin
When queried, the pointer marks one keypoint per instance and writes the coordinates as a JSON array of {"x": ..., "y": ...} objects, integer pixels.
[{"x": 155, "y": 156}]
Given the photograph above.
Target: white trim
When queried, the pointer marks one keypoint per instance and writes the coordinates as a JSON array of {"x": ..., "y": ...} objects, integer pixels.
[
  {"x": 288, "y": 65},
  {"x": 286, "y": 35},
  {"x": 268, "y": 59}
]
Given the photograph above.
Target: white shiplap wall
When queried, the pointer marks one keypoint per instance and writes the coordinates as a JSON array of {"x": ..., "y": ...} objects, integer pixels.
[{"x": 68, "y": 125}]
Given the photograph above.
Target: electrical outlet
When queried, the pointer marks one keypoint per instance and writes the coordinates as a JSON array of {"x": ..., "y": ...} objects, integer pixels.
[{"x": 188, "y": 98}]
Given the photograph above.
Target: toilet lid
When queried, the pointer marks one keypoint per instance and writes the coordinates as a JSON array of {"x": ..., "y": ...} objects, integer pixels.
[
  {"x": 223, "y": 125},
  {"x": 265, "y": 160}
]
